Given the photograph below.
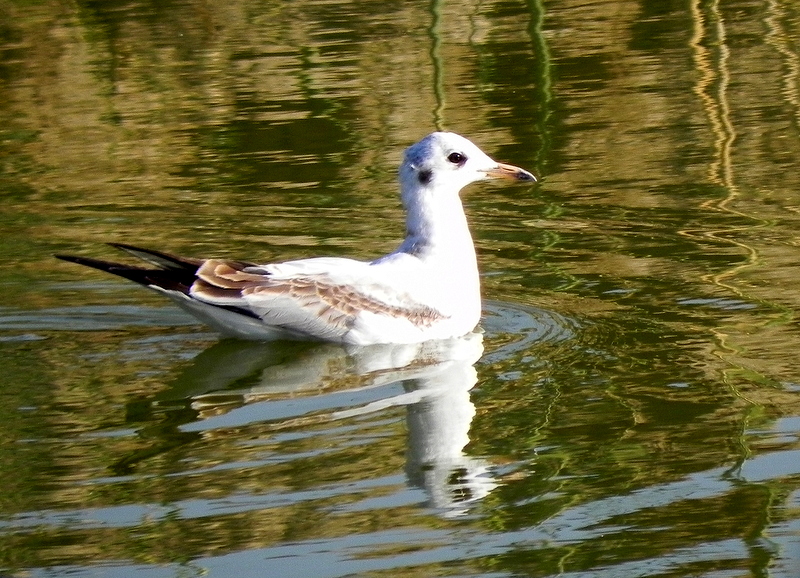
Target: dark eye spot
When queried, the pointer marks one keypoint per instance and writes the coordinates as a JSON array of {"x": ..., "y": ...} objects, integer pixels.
[
  {"x": 425, "y": 177},
  {"x": 457, "y": 158}
]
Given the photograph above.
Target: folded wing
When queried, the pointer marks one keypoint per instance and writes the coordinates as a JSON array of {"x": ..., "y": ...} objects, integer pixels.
[{"x": 318, "y": 305}]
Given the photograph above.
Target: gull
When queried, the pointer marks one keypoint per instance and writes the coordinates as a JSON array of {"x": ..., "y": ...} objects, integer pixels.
[{"x": 428, "y": 288}]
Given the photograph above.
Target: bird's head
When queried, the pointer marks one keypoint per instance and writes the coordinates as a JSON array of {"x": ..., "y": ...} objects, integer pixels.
[{"x": 447, "y": 161}]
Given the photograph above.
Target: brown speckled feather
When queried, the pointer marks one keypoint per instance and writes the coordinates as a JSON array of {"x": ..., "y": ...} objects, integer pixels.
[{"x": 336, "y": 304}]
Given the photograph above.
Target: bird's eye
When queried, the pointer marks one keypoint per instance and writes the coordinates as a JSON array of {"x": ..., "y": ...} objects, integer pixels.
[{"x": 456, "y": 158}]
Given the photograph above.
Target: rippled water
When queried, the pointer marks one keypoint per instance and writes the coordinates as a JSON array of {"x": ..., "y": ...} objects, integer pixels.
[{"x": 631, "y": 406}]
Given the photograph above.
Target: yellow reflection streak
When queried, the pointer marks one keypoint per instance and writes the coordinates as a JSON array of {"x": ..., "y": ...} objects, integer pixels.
[
  {"x": 712, "y": 89},
  {"x": 778, "y": 38}
]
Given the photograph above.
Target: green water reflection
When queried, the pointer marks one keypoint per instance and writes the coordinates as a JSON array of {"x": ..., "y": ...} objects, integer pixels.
[{"x": 636, "y": 410}]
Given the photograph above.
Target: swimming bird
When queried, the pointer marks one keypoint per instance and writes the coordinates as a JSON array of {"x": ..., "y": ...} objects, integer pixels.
[{"x": 428, "y": 288}]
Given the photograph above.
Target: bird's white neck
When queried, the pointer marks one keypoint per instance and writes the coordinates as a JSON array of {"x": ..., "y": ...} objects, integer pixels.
[
  {"x": 438, "y": 237},
  {"x": 436, "y": 226}
]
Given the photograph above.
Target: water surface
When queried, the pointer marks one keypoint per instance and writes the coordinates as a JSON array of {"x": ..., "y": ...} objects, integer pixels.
[{"x": 632, "y": 404}]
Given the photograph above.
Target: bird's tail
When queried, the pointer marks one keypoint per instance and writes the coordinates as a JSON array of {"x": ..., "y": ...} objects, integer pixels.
[{"x": 170, "y": 272}]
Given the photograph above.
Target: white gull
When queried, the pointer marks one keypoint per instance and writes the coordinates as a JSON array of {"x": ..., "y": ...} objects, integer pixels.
[{"x": 426, "y": 289}]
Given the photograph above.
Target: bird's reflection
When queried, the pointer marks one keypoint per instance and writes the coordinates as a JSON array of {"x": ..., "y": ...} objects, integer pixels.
[{"x": 434, "y": 379}]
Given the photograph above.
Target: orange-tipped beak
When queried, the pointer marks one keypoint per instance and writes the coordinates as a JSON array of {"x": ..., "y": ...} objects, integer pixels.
[{"x": 504, "y": 171}]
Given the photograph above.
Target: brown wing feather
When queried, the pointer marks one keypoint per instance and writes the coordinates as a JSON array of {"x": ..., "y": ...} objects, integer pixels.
[{"x": 338, "y": 304}]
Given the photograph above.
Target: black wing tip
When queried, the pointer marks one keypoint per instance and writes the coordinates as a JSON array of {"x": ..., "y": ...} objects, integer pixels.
[
  {"x": 88, "y": 261},
  {"x": 70, "y": 258},
  {"x": 167, "y": 279},
  {"x": 128, "y": 248},
  {"x": 158, "y": 259},
  {"x": 124, "y": 246}
]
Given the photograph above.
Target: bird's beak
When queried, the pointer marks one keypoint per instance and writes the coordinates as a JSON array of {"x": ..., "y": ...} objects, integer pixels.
[{"x": 504, "y": 171}]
